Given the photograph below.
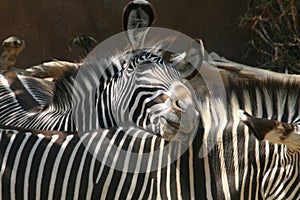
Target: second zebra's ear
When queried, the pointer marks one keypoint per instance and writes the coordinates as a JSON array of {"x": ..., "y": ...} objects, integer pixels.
[
  {"x": 137, "y": 17},
  {"x": 274, "y": 131}
]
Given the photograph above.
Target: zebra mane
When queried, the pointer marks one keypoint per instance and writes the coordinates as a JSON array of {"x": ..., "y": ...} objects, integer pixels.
[
  {"x": 277, "y": 94},
  {"x": 272, "y": 84}
]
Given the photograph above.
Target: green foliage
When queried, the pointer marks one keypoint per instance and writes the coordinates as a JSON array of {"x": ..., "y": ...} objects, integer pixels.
[{"x": 274, "y": 27}]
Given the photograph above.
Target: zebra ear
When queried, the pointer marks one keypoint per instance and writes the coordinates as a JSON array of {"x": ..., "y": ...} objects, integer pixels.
[
  {"x": 137, "y": 17},
  {"x": 189, "y": 62},
  {"x": 271, "y": 130},
  {"x": 259, "y": 126}
]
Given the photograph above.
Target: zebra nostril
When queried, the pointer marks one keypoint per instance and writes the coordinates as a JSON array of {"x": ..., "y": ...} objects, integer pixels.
[{"x": 177, "y": 106}]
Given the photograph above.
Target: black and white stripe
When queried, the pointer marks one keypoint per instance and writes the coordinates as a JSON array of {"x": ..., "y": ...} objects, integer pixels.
[
  {"x": 224, "y": 161},
  {"x": 112, "y": 92},
  {"x": 239, "y": 166},
  {"x": 60, "y": 166}
]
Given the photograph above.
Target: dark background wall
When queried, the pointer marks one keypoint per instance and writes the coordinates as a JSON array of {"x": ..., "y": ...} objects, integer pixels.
[{"x": 47, "y": 26}]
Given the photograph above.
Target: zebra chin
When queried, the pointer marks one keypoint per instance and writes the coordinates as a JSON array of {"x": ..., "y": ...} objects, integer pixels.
[
  {"x": 179, "y": 127},
  {"x": 180, "y": 120}
]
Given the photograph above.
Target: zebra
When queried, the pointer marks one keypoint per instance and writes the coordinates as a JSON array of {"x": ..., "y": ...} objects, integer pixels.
[
  {"x": 135, "y": 87},
  {"x": 251, "y": 141},
  {"x": 85, "y": 43},
  {"x": 274, "y": 131},
  {"x": 13, "y": 46},
  {"x": 225, "y": 159},
  {"x": 32, "y": 93}
]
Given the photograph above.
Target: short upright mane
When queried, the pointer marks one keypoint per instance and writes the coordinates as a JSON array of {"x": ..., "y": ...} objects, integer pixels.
[
  {"x": 273, "y": 85},
  {"x": 279, "y": 96}
]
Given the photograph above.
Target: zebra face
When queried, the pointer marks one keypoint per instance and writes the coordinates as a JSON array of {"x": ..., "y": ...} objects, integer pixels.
[
  {"x": 14, "y": 43},
  {"x": 151, "y": 94}
]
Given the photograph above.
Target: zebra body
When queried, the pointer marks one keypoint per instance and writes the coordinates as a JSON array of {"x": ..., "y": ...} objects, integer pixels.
[
  {"x": 59, "y": 166},
  {"x": 224, "y": 160},
  {"x": 239, "y": 166}
]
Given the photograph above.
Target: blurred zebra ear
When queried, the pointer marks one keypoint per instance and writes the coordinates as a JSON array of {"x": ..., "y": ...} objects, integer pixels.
[
  {"x": 137, "y": 17},
  {"x": 188, "y": 63}
]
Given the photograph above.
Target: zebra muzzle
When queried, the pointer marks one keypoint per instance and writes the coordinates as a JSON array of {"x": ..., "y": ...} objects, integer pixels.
[{"x": 182, "y": 116}]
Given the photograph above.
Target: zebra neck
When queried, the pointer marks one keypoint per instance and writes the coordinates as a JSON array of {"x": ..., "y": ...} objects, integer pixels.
[{"x": 74, "y": 101}]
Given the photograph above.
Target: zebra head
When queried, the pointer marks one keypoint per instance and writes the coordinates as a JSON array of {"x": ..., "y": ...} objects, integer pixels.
[
  {"x": 150, "y": 93},
  {"x": 140, "y": 87},
  {"x": 274, "y": 131},
  {"x": 13, "y": 46}
]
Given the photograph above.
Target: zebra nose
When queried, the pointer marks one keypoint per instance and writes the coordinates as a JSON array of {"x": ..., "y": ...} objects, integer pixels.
[
  {"x": 182, "y": 97},
  {"x": 184, "y": 107},
  {"x": 178, "y": 105}
]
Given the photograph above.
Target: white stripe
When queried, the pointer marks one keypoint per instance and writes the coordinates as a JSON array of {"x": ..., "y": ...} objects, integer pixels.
[
  {"x": 29, "y": 163},
  {"x": 28, "y": 88},
  {"x": 191, "y": 170},
  {"x": 281, "y": 99},
  {"x": 205, "y": 113},
  {"x": 269, "y": 177},
  {"x": 245, "y": 163},
  {"x": 42, "y": 166},
  {"x": 236, "y": 121},
  {"x": 95, "y": 157},
  {"x": 250, "y": 183},
  {"x": 178, "y": 181},
  {"x": 168, "y": 187},
  {"x": 5, "y": 157},
  {"x": 159, "y": 170},
  {"x": 259, "y": 113},
  {"x": 246, "y": 144},
  {"x": 16, "y": 165},
  {"x": 292, "y": 104},
  {"x": 151, "y": 190},
  {"x": 268, "y": 103},
  {"x": 220, "y": 120},
  {"x": 259, "y": 107},
  {"x": 296, "y": 175},
  {"x": 281, "y": 169},
  {"x": 138, "y": 166},
  {"x": 257, "y": 159}
]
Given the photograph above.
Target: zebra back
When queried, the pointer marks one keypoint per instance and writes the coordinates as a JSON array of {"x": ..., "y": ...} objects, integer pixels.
[{"x": 102, "y": 164}]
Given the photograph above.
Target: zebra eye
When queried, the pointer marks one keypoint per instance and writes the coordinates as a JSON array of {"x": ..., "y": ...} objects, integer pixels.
[{"x": 131, "y": 67}]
